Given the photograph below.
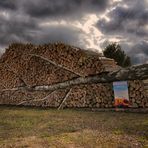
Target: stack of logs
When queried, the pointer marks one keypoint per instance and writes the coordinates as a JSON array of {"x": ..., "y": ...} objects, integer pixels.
[
  {"x": 51, "y": 63},
  {"x": 92, "y": 96},
  {"x": 109, "y": 64},
  {"x": 137, "y": 94},
  {"x": 29, "y": 65},
  {"x": 8, "y": 79}
]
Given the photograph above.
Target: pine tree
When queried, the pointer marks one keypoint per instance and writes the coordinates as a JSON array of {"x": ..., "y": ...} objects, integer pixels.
[{"x": 115, "y": 52}]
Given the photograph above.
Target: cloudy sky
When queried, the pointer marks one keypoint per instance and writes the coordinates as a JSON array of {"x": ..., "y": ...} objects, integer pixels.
[{"x": 83, "y": 23}]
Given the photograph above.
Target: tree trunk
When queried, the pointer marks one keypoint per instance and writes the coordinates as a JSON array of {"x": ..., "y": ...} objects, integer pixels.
[{"x": 139, "y": 72}]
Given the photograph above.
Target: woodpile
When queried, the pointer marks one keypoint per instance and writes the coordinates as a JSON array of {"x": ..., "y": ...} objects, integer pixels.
[
  {"x": 94, "y": 95},
  {"x": 75, "y": 59},
  {"x": 72, "y": 77},
  {"x": 137, "y": 94},
  {"x": 20, "y": 97},
  {"x": 51, "y": 63},
  {"x": 145, "y": 82},
  {"x": 109, "y": 64},
  {"x": 8, "y": 79}
]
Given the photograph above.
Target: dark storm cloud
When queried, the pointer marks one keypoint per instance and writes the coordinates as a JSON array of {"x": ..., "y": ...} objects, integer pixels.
[
  {"x": 20, "y": 20},
  {"x": 143, "y": 46},
  {"x": 131, "y": 19},
  {"x": 33, "y": 21},
  {"x": 127, "y": 22},
  {"x": 8, "y": 4},
  {"x": 138, "y": 51},
  {"x": 59, "y": 33},
  {"x": 63, "y": 8},
  {"x": 16, "y": 28}
]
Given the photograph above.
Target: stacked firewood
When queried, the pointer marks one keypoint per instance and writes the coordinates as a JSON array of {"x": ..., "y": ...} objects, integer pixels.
[
  {"x": 145, "y": 82},
  {"x": 51, "y": 63},
  {"x": 76, "y": 60},
  {"x": 39, "y": 72},
  {"x": 109, "y": 64},
  {"x": 28, "y": 66},
  {"x": 91, "y": 95},
  {"x": 19, "y": 97},
  {"x": 8, "y": 79},
  {"x": 137, "y": 94},
  {"x": 69, "y": 58}
]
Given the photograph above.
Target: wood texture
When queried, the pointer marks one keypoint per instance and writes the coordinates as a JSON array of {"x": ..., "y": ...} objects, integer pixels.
[{"x": 43, "y": 75}]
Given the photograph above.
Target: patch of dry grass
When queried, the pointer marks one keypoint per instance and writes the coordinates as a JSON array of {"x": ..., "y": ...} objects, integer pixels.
[{"x": 38, "y": 128}]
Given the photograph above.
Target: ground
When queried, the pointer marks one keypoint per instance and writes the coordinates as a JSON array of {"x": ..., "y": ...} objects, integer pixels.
[{"x": 44, "y": 128}]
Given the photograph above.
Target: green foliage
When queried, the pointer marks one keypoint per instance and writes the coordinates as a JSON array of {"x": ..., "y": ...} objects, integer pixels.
[{"x": 115, "y": 52}]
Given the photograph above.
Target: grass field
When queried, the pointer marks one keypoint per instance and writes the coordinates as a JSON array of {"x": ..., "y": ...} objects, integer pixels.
[{"x": 41, "y": 128}]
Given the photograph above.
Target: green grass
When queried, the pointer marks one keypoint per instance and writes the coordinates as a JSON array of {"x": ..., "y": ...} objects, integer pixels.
[{"x": 26, "y": 127}]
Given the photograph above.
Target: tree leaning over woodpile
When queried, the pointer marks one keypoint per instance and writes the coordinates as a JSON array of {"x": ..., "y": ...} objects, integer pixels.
[
  {"x": 59, "y": 75},
  {"x": 131, "y": 73}
]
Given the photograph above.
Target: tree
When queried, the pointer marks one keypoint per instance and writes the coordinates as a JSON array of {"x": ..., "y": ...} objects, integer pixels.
[
  {"x": 115, "y": 52},
  {"x": 131, "y": 73}
]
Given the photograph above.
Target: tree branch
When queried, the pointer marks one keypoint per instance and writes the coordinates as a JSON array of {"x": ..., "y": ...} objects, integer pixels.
[
  {"x": 30, "y": 100},
  {"x": 139, "y": 72},
  {"x": 55, "y": 64}
]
